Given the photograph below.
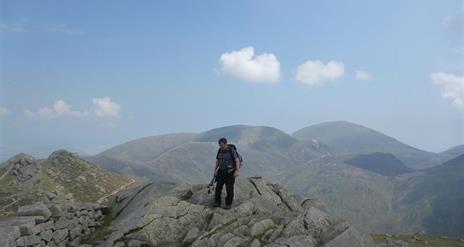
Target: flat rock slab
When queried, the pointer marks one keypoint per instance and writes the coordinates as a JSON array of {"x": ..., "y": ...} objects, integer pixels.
[{"x": 38, "y": 209}]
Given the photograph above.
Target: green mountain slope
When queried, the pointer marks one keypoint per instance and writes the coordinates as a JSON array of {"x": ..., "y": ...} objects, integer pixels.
[
  {"x": 440, "y": 191},
  {"x": 147, "y": 148},
  {"x": 381, "y": 163},
  {"x": 363, "y": 197},
  {"x": 429, "y": 200},
  {"x": 346, "y": 138}
]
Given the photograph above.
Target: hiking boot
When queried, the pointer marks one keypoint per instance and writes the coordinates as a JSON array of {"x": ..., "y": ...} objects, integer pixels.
[
  {"x": 216, "y": 204},
  {"x": 227, "y": 206}
]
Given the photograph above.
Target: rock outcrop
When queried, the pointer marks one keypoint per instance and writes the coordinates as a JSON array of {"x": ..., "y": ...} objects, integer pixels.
[
  {"x": 51, "y": 224},
  {"x": 63, "y": 176},
  {"x": 24, "y": 167},
  {"x": 263, "y": 214}
]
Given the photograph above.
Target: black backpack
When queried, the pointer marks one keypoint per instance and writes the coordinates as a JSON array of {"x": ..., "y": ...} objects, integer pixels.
[{"x": 238, "y": 155}]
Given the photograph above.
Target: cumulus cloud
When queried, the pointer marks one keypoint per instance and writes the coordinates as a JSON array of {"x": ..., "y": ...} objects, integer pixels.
[
  {"x": 455, "y": 21},
  {"x": 362, "y": 75},
  {"x": 59, "y": 108},
  {"x": 316, "y": 73},
  {"x": 105, "y": 107},
  {"x": 243, "y": 64},
  {"x": 452, "y": 87},
  {"x": 102, "y": 107},
  {"x": 42, "y": 112},
  {"x": 4, "y": 111}
]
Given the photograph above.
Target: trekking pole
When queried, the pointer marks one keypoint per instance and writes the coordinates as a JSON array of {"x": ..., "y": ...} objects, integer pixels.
[{"x": 211, "y": 184}]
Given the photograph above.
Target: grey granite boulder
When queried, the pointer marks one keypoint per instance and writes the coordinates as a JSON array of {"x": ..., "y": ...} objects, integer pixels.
[
  {"x": 263, "y": 214},
  {"x": 351, "y": 237},
  {"x": 8, "y": 235},
  {"x": 28, "y": 240},
  {"x": 38, "y": 209},
  {"x": 191, "y": 235}
]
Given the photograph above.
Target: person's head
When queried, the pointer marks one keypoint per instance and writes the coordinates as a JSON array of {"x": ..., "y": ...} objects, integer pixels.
[{"x": 222, "y": 143}]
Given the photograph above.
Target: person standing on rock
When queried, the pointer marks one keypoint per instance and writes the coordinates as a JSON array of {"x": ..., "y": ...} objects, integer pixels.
[{"x": 226, "y": 169}]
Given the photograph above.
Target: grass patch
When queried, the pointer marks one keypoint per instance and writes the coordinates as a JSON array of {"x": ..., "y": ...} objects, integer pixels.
[
  {"x": 47, "y": 183},
  {"x": 101, "y": 232},
  {"x": 5, "y": 181}
]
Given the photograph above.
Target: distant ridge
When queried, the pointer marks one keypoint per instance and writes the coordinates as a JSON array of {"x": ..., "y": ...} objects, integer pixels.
[
  {"x": 246, "y": 134},
  {"x": 147, "y": 148},
  {"x": 382, "y": 163},
  {"x": 173, "y": 157},
  {"x": 454, "y": 151},
  {"x": 343, "y": 137},
  {"x": 189, "y": 157}
]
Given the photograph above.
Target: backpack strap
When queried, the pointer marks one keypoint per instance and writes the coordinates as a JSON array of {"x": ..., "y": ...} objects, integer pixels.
[{"x": 231, "y": 153}]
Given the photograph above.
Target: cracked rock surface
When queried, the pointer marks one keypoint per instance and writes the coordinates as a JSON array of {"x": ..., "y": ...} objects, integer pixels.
[{"x": 262, "y": 214}]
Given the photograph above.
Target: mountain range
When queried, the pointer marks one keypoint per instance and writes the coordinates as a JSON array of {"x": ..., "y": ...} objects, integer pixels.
[{"x": 375, "y": 181}]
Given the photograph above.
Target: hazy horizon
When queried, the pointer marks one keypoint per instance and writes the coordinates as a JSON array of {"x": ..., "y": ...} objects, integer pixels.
[
  {"x": 95, "y": 150},
  {"x": 86, "y": 76}
]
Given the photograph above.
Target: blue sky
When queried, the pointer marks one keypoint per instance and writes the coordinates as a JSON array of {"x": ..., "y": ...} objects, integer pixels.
[{"x": 87, "y": 75}]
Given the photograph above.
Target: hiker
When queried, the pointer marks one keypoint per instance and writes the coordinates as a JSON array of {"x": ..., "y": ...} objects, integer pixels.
[{"x": 226, "y": 169}]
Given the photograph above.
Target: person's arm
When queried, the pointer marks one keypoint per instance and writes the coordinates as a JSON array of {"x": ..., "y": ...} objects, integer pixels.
[
  {"x": 237, "y": 167},
  {"x": 237, "y": 163},
  {"x": 216, "y": 167}
]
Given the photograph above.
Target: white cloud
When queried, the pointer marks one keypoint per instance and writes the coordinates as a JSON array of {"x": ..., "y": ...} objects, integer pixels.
[
  {"x": 316, "y": 73},
  {"x": 44, "y": 111},
  {"x": 105, "y": 107},
  {"x": 102, "y": 107},
  {"x": 455, "y": 21},
  {"x": 452, "y": 87},
  {"x": 4, "y": 111},
  {"x": 362, "y": 75},
  {"x": 59, "y": 108},
  {"x": 243, "y": 64}
]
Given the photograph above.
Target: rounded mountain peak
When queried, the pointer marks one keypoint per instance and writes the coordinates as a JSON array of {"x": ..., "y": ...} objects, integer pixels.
[{"x": 245, "y": 134}]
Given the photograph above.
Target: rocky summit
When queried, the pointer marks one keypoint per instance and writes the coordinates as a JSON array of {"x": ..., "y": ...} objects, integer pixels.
[
  {"x": 63, "y": 176},
  {"x": 263, "y": 214}
]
